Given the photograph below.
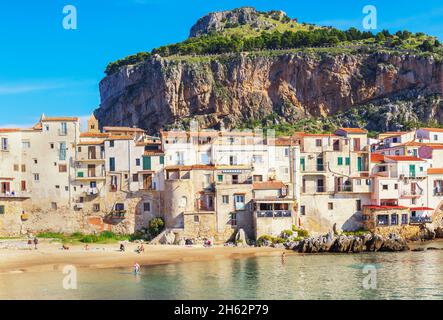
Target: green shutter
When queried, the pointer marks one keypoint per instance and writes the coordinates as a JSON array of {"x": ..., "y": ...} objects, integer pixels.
[
  {"x": 80, "y": 174},
  {"x": 302, "y": 164},
  {"x": 359, "y": 163},
  {"x": 348, "y": 161},
  {"x": 162, "y": 159},
  {"x": 220, "y": 178},
  {"x": 2, "y": 209},
  {"x": 146, "y": 163},
  {"x": 340, "y": 161}
]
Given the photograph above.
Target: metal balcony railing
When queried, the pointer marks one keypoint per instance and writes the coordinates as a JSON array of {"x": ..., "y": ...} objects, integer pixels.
[{"x": 274, "y": 214}]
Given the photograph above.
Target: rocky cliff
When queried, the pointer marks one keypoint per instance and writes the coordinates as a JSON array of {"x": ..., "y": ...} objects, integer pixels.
[{"x": 231, "y": 89}]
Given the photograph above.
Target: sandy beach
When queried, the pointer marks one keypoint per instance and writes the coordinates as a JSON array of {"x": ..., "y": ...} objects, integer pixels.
[{"x": 17, "y": 257}]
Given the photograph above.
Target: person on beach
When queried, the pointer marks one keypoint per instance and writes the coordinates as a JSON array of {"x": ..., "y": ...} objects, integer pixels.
[
  {"x": 86, "y": 247},
  {"x": 65, "y": 247},
  {"x": 141, "y": 249},
  {"x": 35, "y": 243},
  {"x": 30, "y": 244},
  {"x": 136, "y": 268},
  {"x": 122, "y": 247}
]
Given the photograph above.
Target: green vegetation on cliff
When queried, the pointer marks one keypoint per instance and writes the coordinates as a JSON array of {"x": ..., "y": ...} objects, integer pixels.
[{"x": 279, "y": 32}]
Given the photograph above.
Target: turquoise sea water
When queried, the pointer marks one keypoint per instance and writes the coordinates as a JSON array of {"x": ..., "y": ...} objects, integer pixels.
[{"x": 409, "y": 275}]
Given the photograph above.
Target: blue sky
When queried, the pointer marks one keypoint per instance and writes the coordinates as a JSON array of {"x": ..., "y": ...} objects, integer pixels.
[{"x": 47, "y": 69}]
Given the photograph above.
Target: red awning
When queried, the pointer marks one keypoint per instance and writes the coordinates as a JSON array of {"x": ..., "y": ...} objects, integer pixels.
[{"x": 422, "y": 209}]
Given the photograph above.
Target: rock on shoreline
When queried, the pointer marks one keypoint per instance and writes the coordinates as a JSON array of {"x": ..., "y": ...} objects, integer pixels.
[{"x": 349, "y": 244}]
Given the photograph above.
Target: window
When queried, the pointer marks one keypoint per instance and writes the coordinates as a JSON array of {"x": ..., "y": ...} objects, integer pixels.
[
  {"x": 146, "y": 163},
  {"x": 66, "y": 188},
  {"x": 2, "y": 209},
  {"x": 26, "y": 145},
  {"x": 23, "y": 168},
  {"x": 220, "y": 178},
  {"x": 232, "y": 160},
  {"x": 46, "y": 127},
  {"x": 286, "y": 152},
  {"x": 239, "y": 201},
  {"x": 111, "y": 164},
  {"x": 435, "y": 137},
  {"x": 51, "y": 145},
  {"x": 330, "y": 206},
  {"x": 233, "y": 219},
  {"x": 62, "y": 168},
  {"x": 80, "y": 174},
  {"x": 368, "y": 182},
  {"x": 413, "y": 201},
  {"x": 147, "y": 206},
  {"x": 396, "y": 186},
  {"x": 63, "y": 129},
  {"x": 62, "y": 154},
  {"x": 340, "y": 161},
  {"x": 96, "y": 207},
  {"x": 16, "y": 167},
  {"x": 258, "y": 178},
  {"x": 234, "y": 179},
  {"x": 257, "y": 158},
  {"x": 126, "y": 176},
  {"x": 54, "y": 205},
  {"x": 35, "y": 161},
  {"x": 114, "y": 183},
  {"x": 318, "y": 143},
  {"x": 36, "y": 177},
  {"x": 348, "y": 161},
  {"x": 23, "y": 185},
  {"x": 119, "y": 207},
  {"x": 162, "y": 159},
  {"x": 404, "y": 219},
  {"x": 358, "y": 205},
  {"x": 302, "y": 210},
  {"x": 57, "y": 187},
  {"x": 384, "y": 187},
  {"x": 225, "y": 199},
  {"x": 358, "y": 182},
  {"x": 135, "y": 177},
  {"x": 4, "y": 144},
  {"x": 111, "y": 143},
  {"x": 196, "y": 219},
  {"x": 394, "y": 219},
  {"x": 137, "y": 162}
]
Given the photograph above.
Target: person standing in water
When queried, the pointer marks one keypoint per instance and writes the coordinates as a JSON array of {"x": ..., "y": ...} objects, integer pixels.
[
  {"x": 283, "y": 258},
  {"x": 136, "y": 268}
]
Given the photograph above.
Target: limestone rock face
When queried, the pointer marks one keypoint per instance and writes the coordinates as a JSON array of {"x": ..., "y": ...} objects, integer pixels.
[{"x": 230, "y": 89}]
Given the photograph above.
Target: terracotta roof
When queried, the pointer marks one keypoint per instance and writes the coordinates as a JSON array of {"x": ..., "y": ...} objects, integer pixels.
[
  {"x": 118, "y": 137},
  {"x": 5, "y": 130},
  {"x": 404, "y": 158},
  {"x": 422, "y": 209},
  {"x": 126, "y": 129},
  {"x": 49, "y": 119},
  {"x": 385, "y": 207},
  {"x": 353, "y": 130},
  {"x": 92, "y": 142},
  {"x": 303, "y": 134},
  {"x": 432, "y": 129},
  {"x": 435, "y": 171},
  {"x": 377, "y": 157},
  {"x": 6, "y": 178},
  {"x": 268, "y": 185},
  {"x": 94, "y": 134},
  {"x": 282, "y": 142}
]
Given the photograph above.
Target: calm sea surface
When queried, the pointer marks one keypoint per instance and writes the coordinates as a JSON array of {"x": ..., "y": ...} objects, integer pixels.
[{"x": 409, "y": 275}]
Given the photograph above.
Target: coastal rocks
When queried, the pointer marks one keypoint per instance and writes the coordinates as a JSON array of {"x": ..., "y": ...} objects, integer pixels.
[
  {"x": 168, "y": 238},
  {"x": 240, "y": 238},
  {"x": 349, "y": 244},
  {"x": 427, "y": 232}
]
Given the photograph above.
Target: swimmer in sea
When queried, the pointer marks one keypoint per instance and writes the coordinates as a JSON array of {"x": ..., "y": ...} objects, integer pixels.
[{"x": 136, "y": 268}]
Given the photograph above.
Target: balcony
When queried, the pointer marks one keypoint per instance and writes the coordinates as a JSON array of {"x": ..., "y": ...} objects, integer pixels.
[
  {"x": 420, "y": 220},
  {"x": 15, "y": 195},
  {"x": 343, "y": 188},
  {"x": 411, "y": 194},
  {"x": 274, "y": 214},
  {"x": 438, "y": 192}
]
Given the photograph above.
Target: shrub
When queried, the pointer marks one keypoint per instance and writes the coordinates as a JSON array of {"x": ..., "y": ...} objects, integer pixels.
[
  {"x": 300, "y": 232},
  {"x": 261, "y": 240},
  {"x": 156, "y": 225},
  {"x": 51, "y": 235},
  {"x": 287, "y": 233}
]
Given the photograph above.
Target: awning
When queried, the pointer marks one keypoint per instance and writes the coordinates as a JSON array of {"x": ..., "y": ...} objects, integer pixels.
[{"x": 422, "y": 209}]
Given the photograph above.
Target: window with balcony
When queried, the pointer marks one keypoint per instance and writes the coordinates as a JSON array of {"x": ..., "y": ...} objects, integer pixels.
[
  {"x": 239, "y": 202},
  {"x": 62, "y": 151}
]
